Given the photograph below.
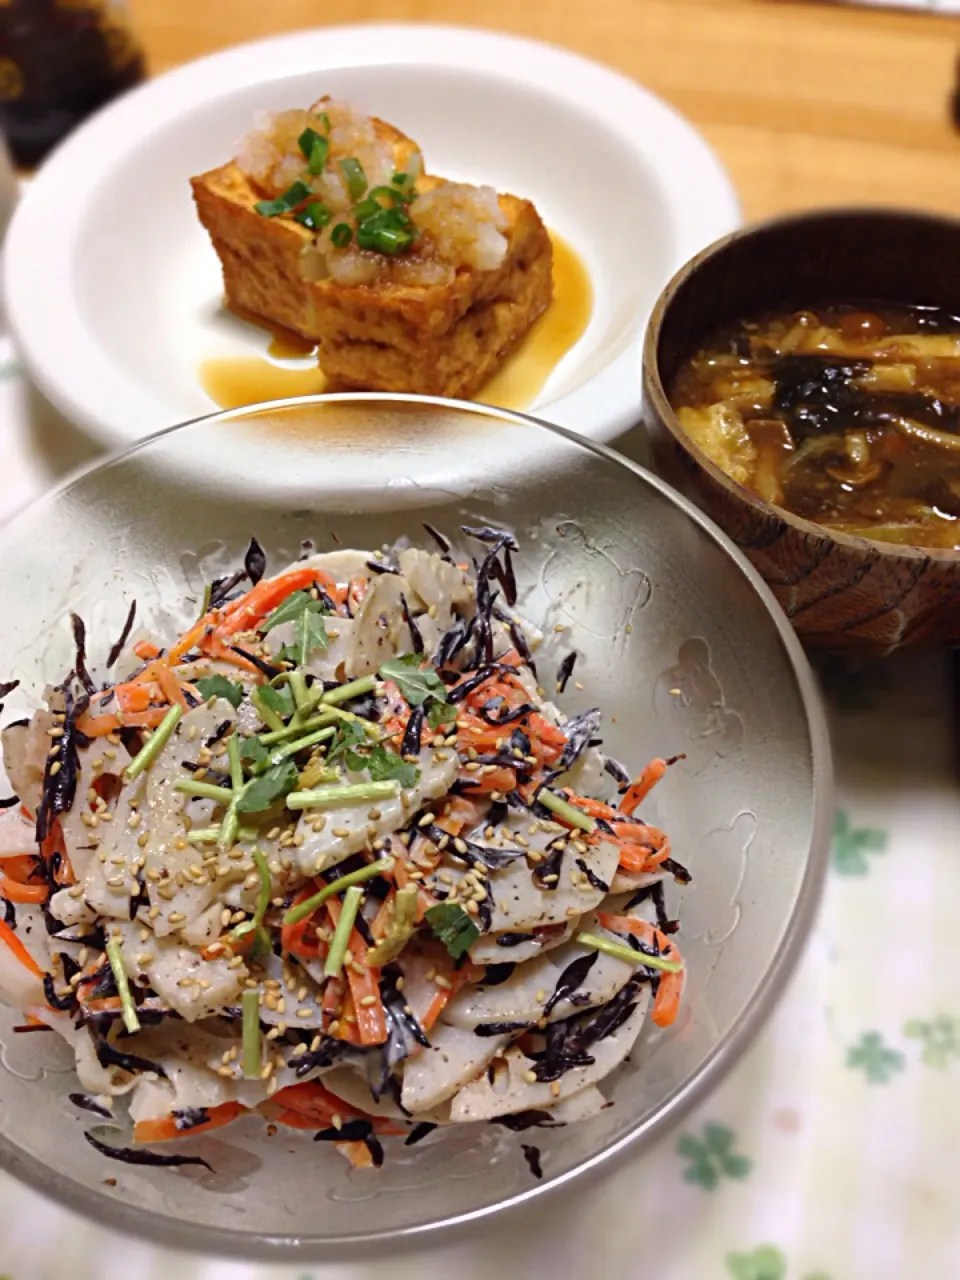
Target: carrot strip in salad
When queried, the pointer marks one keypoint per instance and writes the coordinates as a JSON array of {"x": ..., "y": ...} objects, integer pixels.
[
  {"x": 100, "y": 726},
  {"x": 136, "y": 697},
  {"x": 638, "y": 791},
  {"x": 425, "y": 899},
  {"x": 22, "y": 867},
  {"x": 10, "y": 940},
  {"x": 313, "y": 1102},
  {"x": 244, "y": 614},
  {"x": 146, "y": 649},
  {"x": 194, "y": 636},
  {"x": 453, "y": 981},
  {"x": 167, "y": 1129},
  {"x": 300, "y": 939},
  {"x": 16, "y": 891},
  {"x": 666, "y": 1003},
  {"x": 358, "y": 1153},
  {"x": 171, "y": 688},
  {"x": 364, "y": 985},
  {"x": 348, "y": 1029}
]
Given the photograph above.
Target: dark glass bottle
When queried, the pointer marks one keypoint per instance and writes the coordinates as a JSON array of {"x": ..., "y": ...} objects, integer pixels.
[{"x": 59, "y": 61}]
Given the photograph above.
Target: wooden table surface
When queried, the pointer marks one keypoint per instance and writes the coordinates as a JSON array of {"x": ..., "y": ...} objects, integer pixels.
[{"x": 806, "y": 103}]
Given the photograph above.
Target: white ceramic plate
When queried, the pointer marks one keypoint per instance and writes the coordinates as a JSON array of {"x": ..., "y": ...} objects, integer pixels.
[{"x": 113, "y": 290}]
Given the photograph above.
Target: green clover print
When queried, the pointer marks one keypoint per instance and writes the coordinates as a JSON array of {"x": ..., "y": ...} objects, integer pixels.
[
  {"x": 712, "y": 1157},
  {"x": 871, "y": 1056}
]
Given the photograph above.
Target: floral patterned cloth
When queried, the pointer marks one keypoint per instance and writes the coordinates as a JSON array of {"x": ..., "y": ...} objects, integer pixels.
[{"x": 828, "y": 1154}]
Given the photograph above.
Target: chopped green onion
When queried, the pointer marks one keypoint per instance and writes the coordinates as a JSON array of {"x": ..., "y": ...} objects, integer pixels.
[
  {"x": 203, "y": 835},
  {"x": 236, "y": 765},
  {"x": 206, "y": 790},
  {"x": 402, "y": 926},
  {"x": 575, "y": 817},
  {"x": 251, "y": 1034},
  {"x": 314, "y": 216},
  {"x": 368, "y": 727},
  {"x": 389, "y": 241},
  {"x": 367, "y": 208},
  {"x": 307, "y": 908},
  {"x": 230, "y": 827},
  {"x": 291, "y": 748},
  {"x": 315, "y": 149},
  {"x": 324, "y": 120},
  {"x": 341, "y": 935},
  {"x": 355, "y": 689},
  {"x": 356, "y": 179},
  {"x": 154, "y": 745},
  {"x": 266, "y": 714},
  {"x": 355, "y": 793},
  {"x": 115, "y": 956},
  {"x": 255, "y": 923},
  {"x": 263, "y": 899},
  {"x": 401, "y": 179},
  {"x": 208, "y": 835},
  {"x": 283, "y": 204},
  {"x": 291, "y": 730},
  {"x": 298, "y": 687},
  {"x": 622, "y": 952},
  {"x": 389, "y": 193},
  {"x": 341, "y": 235}
]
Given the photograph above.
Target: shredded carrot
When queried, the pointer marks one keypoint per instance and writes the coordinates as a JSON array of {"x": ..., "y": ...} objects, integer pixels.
[
  {"x": 135, "y": 697},
  {"x": 99, "y": 726},
  {"x": 22, "y": 867},
  {"x": 502, "y": 780},
  {"x": 171, "y": 688},
  {"x": 312, "y": 1101},
  {"x": 8, "y": 937},
  {"x": 244, "y": 614},
  {"x": 637, "y": 792},
  {"x": 595, "y": 808},
  {"x": 358, "y": 1153},
  {"x": 145, "y": 650},
  {"x": 14, "y": 891},
  {"x": 300, "y": 939},
  {"x": 457, "y": 978},
  {"x": 349, "y": 1030},
  {"x": 364, "y": 983},
  {"x": 165, "y": 1129},
  {"x": 666, "y": 1003},
  {"x": 193, "y": 636},
  {"x": 333, "y": 994},
  {"x": 460, "y": 813},
  {"x": 642, "y": 848},
  {"x": 425, "y": 899}
]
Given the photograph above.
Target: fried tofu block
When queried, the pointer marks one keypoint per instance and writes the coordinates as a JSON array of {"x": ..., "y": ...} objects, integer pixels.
[
  {"x": 444, "y": 340},
  {"x": 433, "y": 339}
]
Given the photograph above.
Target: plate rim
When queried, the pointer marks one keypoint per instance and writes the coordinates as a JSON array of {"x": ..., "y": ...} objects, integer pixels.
[{"x": 72, "y": 369}]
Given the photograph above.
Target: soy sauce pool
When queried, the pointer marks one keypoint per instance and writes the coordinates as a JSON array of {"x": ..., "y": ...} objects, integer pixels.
[{"x": 845, "y": 414}]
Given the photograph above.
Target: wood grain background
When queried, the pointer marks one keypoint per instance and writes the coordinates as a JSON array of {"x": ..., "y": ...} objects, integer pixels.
[{"x": 806, "y": 103}]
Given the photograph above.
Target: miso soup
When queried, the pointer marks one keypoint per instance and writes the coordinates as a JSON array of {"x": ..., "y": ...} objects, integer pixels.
[{"x": 848, "y": 415}]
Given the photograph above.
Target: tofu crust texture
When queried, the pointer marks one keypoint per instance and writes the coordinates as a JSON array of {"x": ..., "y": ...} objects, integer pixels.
[{"x": 445, "y": 339}]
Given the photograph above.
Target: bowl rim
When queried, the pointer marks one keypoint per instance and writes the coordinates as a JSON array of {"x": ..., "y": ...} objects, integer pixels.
[
  {"x": 144, "y": 1223},
  {"x": 654, "y": 388}
]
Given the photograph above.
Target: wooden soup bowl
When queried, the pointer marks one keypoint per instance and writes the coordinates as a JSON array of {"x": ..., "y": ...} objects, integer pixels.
[{"x": 840, "y": 592}]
